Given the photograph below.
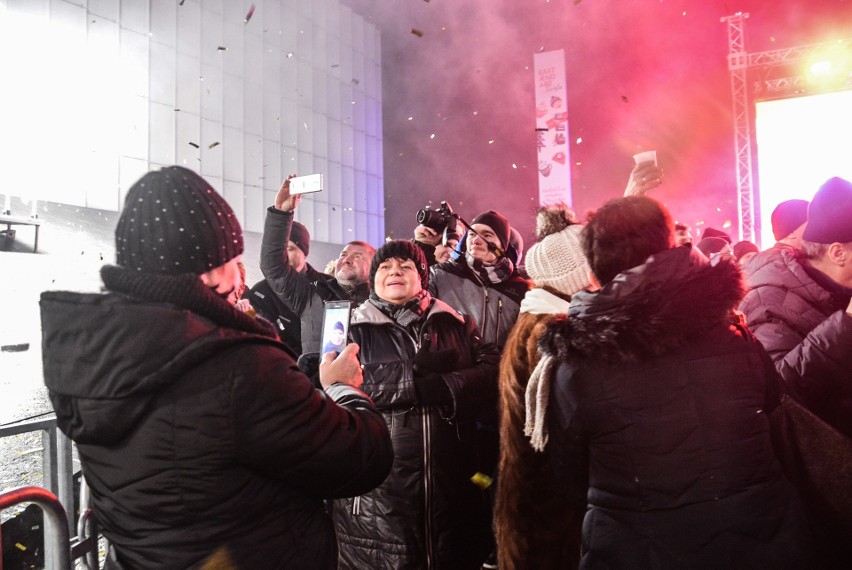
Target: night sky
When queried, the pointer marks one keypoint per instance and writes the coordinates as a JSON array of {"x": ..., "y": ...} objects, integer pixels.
[{"x": 458, "y": 105}]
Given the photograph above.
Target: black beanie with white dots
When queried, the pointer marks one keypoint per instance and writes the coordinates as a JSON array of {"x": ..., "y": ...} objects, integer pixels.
[{"x": 174, "y": 222}]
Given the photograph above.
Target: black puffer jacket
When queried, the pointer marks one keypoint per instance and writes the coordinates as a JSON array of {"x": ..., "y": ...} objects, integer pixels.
[
  {"x": 658, "y": 401},
  {"x": 804, "y": 327},
  {"x": 197, "y": 432},
  {"x": 427, "y": 513},
  {"x": 302, "y": 292}
]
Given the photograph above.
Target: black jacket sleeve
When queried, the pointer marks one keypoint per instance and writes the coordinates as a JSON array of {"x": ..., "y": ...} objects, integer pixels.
[
  {"x": 331, "y": 444},
  {"x": 291, "y": 287}
]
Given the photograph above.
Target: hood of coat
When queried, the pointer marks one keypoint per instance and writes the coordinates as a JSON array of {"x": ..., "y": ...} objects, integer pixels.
[
  {"x": 648, "y": 310},
  {"x": 106, "y": 356}
]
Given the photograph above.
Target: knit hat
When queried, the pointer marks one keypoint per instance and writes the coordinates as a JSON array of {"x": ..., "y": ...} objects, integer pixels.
[
  {"x": 743, "y": 247},
  {"x": 339, "y": 326},
  {"x": 787, "y": 217},
  {"x": 558, "y": 261},
  {"x": 400, "y": 249},
  {"x": 830, "y": 213},
  {"x": 301, "y": 237},
  {"x": 173, "y": 222},
  {"x": 497, "y": 222},
  {"x": 714, "y": 233},
  {"x": 710, "y": 245}
]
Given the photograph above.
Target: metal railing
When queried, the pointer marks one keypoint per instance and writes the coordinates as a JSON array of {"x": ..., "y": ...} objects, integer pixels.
[
  {"x": 58, "y": 472},
  {"x": 57, "y": 550}
]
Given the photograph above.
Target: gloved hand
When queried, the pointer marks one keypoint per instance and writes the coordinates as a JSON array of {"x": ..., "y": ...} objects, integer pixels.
[
  {"x": 431, "y": 388},
  {"x": 437, "y": 361}
]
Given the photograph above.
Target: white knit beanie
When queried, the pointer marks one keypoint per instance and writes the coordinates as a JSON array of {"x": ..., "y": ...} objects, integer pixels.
[{"x": 557, "y": 260}]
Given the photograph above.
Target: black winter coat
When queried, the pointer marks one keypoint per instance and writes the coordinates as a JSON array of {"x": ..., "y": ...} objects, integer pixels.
[
  {"x": 306, "y": 292},
  {"x": 658, "y": 403},
  {"x": 196, "y": 431},
  {"x": 427, "y": 513},
  {"x": 805, "y": 329}
]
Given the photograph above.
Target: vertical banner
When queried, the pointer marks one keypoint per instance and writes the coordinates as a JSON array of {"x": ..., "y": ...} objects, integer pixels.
[{"x": 551, "y": 128}]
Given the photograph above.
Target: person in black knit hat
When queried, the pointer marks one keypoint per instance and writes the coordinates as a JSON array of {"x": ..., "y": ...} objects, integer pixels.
[
  {"x": 430, "y": 375},
  {"x": 201, "y": 441}
]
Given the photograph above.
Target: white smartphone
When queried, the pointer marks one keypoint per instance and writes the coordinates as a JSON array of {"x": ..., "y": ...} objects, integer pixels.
[
  {"x": 335, "y": 326},
  {"x": 306, "y": 184}
]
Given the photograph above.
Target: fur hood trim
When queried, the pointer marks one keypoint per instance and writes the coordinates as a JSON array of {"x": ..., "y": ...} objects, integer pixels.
[{"x": 648, "y": 310}]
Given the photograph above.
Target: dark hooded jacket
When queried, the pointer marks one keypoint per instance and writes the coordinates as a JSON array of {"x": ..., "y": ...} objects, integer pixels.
[
  {"x": 196, "y": 431},
  {"x": 305, "y": 292},
  {"x": 658, "y": 406},
  {"x": 799, "y": 316},
  {"x": 427, "y": 513}
]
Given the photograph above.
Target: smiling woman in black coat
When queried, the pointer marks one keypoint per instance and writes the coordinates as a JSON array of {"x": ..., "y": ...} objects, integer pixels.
[{"x": 430, "y": 375}]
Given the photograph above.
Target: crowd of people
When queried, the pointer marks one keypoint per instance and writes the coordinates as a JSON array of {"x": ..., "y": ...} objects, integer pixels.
[{"x": 602, "y": 400}]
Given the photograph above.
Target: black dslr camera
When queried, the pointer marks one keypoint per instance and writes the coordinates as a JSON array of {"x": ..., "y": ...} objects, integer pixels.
[{"x": 437, "y": 219}]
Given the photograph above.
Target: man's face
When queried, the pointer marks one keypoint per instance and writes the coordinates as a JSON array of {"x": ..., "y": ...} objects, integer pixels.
[
  {"x": 297, "y": 257},
  {"x": 444, "y": 252},
  {"x": 476, "y": 243},
  {"x": 682, "y": 237},
  {"x": 397, "y": 280},
  {"x": 353, "y": 265},
  {"x": 337, "y": 336}
]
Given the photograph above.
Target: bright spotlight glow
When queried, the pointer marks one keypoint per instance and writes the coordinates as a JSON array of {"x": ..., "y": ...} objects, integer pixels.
[
  {"x": 801, "y": 143},
  {"x": 821, "y": 68}
]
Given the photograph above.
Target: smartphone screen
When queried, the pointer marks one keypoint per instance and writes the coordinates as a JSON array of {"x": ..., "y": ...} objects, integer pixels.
[{"x": 335, "y": 326}]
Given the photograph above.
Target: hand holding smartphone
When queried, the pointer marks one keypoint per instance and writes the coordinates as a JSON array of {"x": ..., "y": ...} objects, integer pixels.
[
  {"x": 306, "y": 184},
  {"x": 335, "y": 326}
]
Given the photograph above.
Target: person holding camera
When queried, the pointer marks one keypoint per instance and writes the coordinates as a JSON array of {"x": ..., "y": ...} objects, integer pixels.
[{"x": 483, "y": 281}]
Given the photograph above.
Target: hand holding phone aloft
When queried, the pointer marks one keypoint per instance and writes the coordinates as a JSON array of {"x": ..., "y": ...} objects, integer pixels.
[{"x": 306, "y": 184}]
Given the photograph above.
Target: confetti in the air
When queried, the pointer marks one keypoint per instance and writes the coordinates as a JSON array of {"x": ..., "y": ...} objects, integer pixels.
[
  {"x": 515, "y": 166},
  {"x": 491, "y": 141},
  {"x": 249, "y": 15},
  {"x": 193, "y": 144},
  {"x": 625, "y": 99},
  {"x": 213, "y": 144},
  {"x": 222, "y": 48},
  {"x": 417, "y": 32},
  {"x": 289, "y": 55},
  {"x": 181, "y": 2},
  {"x": 579, "y": 140},
  {"x": 432, "y": 136}
]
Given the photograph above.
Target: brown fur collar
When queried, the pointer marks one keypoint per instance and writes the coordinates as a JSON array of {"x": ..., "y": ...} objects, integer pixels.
[{"x": 648, "y": 310}]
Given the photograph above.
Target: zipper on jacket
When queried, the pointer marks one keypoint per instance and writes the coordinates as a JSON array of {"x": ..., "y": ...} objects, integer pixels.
[
  {"x": 484, "y": 318},
  {"x": 427, "y": 488},
  {"x": 499, "y": 314},
  {"x": 356, "y": 505}
]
